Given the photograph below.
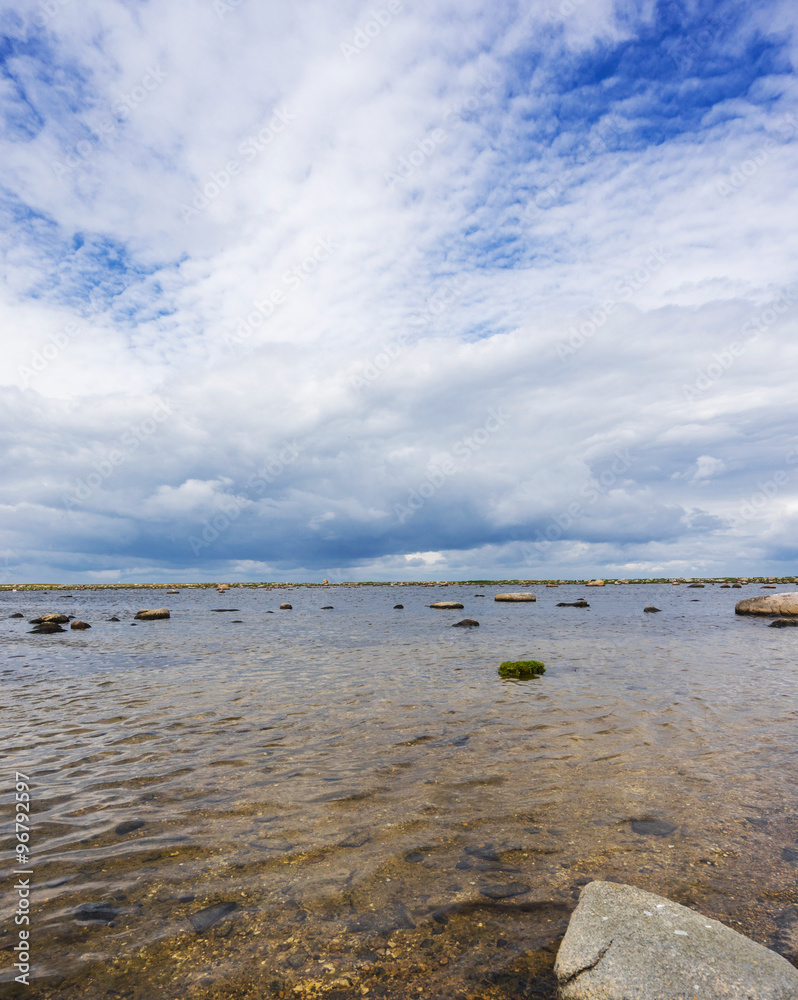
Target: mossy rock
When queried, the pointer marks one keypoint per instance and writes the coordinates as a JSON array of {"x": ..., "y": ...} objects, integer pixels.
[{"x": 521, "y": 668}]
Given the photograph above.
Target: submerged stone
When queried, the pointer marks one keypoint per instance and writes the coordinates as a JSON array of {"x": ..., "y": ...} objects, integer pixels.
[
  {"x": 652, "y": 827},
  {"x": 209, "y": 915},
  {"x": 447, "y": 605},
  {"x": 128, "y": 827},
  {"x": 100, "y": 913},
  {"x": 651, "y": 610},
  {"x": 504, "y": 891},
  {"x": 520, "y": 597},
  {"x": 466, "y": 622},
  {"x": 152, "y": 614}
]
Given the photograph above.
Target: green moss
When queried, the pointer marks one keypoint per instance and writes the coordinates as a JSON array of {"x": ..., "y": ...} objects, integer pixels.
[{"x": 521, "y": 668}]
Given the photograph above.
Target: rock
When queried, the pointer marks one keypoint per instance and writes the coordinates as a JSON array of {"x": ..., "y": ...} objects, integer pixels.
[
  {"x": 596, "y": 583},
  {"x": 151, "y": 614},
  {"x": 736, "y": 586},
  {"x": 515, "y": 597},
  {"x": 172, "y": 591},
  {"x": 286, "y": 607},
  {"x": 209, "y": 915},
  {"x": 17, "y": 614},
  {"x": 114, "y": 619},
  {"x": 693, "y": 586},
  {"x": 46, "y": 629},
  {"x": 398, "y": 607},
  {"x": 50, "y": 620},
  {"x": 447, "y": 605},
  {"x": 626, "y": 944},
  {"x": 128, "y": 827},
  {"x": 79, "y": 625},
  {"x": 778, "y": 605},
  {"x": 465, "y": 622},
  {"x": 768, "y": 586},
  {"x": 96, "y": 913},
  {"x": 389, "y": 918},
  {"x": 521, "y": 668},
  {"x": 324, "y": 581},
  {"x": 222, "y": 611},
  {"x": 784, "y": 622},
  {"x": 328, "y": 607},
  {"x": 651, "y": 610},
  {"x": 504, "y": 891},
  {"x": 552, "y": 585},
  {"x": 725, "y": 586},
  {"x": 649, "y": 827},
  {"x": 581, "y": 603},
  {"x": 786, "y": 942}
]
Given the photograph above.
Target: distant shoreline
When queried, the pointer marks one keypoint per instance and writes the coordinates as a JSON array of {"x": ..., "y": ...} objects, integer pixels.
[{"x": 271, "y": 585}]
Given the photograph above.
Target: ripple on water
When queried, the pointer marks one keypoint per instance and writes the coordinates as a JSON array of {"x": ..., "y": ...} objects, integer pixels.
[{"x": 358, "y": 799}]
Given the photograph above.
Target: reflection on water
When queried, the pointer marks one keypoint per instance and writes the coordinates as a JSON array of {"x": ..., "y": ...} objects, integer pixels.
[{"x": 352, "y": 803}]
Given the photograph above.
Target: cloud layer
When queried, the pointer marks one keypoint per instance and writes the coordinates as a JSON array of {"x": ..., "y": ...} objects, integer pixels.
[{"x": 397, "y": 291}]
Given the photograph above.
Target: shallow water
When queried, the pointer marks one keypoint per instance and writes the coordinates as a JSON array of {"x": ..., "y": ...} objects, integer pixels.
[{"x": 389, "y": 817}]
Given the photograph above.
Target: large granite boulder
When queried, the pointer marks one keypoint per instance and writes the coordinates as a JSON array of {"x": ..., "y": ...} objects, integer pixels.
[
  {"x": 626, "y": 944},
  {"x": 515, "y": 597},
  {"x": 151, "y": 614},
  {"x": 779, "y": 605}
]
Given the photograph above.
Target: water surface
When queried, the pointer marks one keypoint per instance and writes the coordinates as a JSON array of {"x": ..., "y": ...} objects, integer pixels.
[{"x": 382, "y": 814}]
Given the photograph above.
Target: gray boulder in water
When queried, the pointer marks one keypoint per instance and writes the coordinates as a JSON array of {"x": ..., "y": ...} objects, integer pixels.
[
  {"x": 626, "y": 944},
  {"x": 777, "y": 605}
]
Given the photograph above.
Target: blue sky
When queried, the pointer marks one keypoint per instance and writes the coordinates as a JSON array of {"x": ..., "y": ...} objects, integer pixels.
[{"x": 441, "y": 291}]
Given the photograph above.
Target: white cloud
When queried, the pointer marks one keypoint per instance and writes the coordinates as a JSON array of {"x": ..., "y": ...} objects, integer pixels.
[{"x": 567, "y": 251}]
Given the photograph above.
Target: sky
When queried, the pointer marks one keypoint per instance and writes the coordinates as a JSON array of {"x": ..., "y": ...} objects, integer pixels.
[{"x": 397, "y": 291}]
